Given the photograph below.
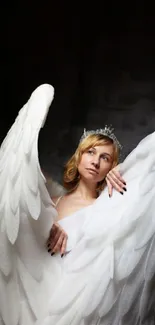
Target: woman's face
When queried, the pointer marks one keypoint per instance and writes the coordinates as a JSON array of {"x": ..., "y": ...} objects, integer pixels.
[{"x": 96, "y": 162}]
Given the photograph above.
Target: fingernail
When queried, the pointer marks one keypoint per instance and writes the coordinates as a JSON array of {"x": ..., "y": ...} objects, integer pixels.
[
  {"x": 121, "y": 193},
  {"x": 52, "y": 254},
  {"x": 48, "y": 245},
  {"x": 124, "y": 189},
  {"x": 124, "y": 183},
  {"x": 109, "y": 195},
  {"x": 62, "y": 255},
  {"x": 49, "y": 250}
]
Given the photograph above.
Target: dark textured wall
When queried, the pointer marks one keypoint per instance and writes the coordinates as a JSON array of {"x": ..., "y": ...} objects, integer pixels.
[{"x": 101, "y": 62}]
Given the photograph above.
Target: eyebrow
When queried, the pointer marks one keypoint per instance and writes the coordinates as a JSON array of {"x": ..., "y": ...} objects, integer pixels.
[{"x": 103, "y": 153}]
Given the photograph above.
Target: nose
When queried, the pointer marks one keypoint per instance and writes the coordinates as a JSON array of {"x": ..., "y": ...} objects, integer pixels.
[{"x": 96, "y": 163}]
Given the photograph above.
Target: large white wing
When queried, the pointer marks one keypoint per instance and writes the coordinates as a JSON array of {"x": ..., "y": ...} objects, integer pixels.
[
  {"x": 26, "y": 215},
  {"x": 110, "y": 273}
]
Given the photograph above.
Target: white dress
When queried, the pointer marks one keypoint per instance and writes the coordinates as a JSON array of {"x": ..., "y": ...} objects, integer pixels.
[{"x": 107, "y": 276}]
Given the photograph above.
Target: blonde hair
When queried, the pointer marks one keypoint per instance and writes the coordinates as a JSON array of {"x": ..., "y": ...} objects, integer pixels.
[{"x": 71, "y": 175}]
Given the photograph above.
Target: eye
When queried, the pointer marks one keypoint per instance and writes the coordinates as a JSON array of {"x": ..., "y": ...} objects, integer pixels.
[
  {"x": 105, "y": 158},
  {"x": 90, "y": 151}
]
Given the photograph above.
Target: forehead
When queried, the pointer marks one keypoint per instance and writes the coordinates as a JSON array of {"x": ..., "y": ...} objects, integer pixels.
[{"x": 105, "y": 148}]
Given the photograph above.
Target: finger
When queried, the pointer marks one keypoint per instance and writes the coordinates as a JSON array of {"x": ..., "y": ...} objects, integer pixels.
[
  {"x": 114, "y": 180},
  {"x": 57, "y": 247},
  {"x": 109, "y": 187},
  {"x": 48, "y": 242},
  {"x": 53, "y": 240},
  {"x": 51, "y": 233},
  {"x": 115, "y": 185},
  {"x": 49, "y": 247},
  {"x": 64, "y": 244},
  {"x": 54, "y": 234},
  {"x": 51, "y": 237},
  {"x": 118, "y": 175},
  {"x": 53, "y": 230}
]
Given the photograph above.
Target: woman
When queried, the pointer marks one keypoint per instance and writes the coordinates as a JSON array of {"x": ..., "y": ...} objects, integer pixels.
[
  {"x": 106, "y": 275},
  {"x": 85, "y": 176},
  {"x": 92, "y": 290},
  {"x": 103, "y": 279}
]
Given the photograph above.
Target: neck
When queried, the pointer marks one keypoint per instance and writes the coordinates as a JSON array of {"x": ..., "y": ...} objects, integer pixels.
[{"x": 86, "y": 190}]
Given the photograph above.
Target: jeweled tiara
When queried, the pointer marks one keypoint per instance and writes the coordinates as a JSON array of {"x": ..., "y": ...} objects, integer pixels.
[{"x": 107, "y": 131}]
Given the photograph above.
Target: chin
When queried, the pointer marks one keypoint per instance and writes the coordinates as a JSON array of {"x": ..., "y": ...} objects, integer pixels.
[{"x": 91, "y": 178}]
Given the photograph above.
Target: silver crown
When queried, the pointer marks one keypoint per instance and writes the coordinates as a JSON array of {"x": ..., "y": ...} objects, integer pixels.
[{"x": 107, "y": 131}]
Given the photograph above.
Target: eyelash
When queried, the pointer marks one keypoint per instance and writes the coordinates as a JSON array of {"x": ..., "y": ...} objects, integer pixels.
[
  {"x": 106, "y": 158},
  {"x": 90, "y": 151}
]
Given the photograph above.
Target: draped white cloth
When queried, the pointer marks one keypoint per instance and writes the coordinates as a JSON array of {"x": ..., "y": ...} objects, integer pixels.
[{"x": 107, "y": 276}]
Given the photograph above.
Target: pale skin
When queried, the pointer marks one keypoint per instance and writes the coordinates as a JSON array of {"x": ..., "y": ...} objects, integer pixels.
[{"x": 95, "y": 165}]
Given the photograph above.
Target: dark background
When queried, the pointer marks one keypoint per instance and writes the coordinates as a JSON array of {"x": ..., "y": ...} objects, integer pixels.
[{"x": 101, "y": 62}]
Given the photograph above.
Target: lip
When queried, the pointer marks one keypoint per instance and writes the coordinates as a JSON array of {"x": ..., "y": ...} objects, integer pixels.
[{"x": 92, "y": 170}]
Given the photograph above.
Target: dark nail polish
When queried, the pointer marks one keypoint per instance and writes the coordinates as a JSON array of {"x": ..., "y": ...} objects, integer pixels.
[
  {"x": 62, "y": 255},
  {"x": 121, "y": 193},
  {"x": 124, "y": 189},
  {"x": 48, "y": 245},
  {"x": 109, "y": 195},
  {"x": 49, "y": 250},
  {"x": 124, "y": 183},
  {"x": 52, "y": 254}
]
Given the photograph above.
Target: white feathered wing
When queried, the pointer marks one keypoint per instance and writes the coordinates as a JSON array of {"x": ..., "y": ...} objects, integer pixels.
[
  {"x": 26, "y": 216},
  {"x": 110, "y": 273}
]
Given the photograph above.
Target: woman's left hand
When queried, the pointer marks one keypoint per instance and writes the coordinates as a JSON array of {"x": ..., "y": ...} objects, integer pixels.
[
  {"x": 57, "y": 240},
  {"x": 116, "y": 181}
]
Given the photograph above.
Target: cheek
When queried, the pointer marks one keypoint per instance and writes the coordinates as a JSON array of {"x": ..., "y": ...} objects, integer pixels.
[
  {"x": 105, "y": 169},
  {"x": 84, "y": 160},
  {"x": 81, "y": 164}
]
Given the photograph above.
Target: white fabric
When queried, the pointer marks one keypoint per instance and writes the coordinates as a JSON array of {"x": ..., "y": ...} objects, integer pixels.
[{"x": 106, "y": 277}]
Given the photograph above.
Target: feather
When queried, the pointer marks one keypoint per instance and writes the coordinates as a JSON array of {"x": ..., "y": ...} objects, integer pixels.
[
  {"x": 5, "y": 254},
  {"x": 12, "y": 223},
  {"x": 150, "y": 261},
  {"x": 22, "y": 257}
]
